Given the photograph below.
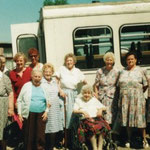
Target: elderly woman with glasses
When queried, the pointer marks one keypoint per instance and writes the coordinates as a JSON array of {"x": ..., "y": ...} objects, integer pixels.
[{"x": 34, "y": 56}]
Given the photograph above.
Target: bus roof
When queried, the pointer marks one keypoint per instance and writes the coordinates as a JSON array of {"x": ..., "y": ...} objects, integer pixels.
[{"x": 67, "y": 11}]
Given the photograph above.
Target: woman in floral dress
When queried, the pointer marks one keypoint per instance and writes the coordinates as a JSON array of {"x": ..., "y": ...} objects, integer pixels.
[
  {"x": 105, "y": 86},
  {"x": 6, "y": 103},
  {"x": 132, "y": 83}
]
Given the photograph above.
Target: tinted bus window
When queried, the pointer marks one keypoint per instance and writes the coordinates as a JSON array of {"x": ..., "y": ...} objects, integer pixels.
[
  {"x": 136, "y": 37},
  {"x": 90, "y": 44}
]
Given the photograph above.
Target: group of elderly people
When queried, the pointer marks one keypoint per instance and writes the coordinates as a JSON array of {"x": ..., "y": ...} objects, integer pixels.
[{"x": 37, "y": 95}]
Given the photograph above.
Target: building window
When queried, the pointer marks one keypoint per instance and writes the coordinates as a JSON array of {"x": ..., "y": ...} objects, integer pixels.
[
  {"x": 135, "y": 37},
  {"x": 90, "y": 45}
]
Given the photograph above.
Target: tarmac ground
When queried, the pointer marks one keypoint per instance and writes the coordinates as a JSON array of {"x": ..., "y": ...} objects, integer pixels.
[{"x": 136, "y": 142}]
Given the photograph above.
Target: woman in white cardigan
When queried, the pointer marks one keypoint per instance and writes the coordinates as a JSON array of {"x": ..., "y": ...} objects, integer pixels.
[{"x": 33, "y": 105}]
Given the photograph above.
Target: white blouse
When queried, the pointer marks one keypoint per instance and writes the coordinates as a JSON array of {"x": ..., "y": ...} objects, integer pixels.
[
  {"x": 1, "y": 74},
  {"x": 70, "y": 78},
  {"x": 39, "y": 66},
  {"x": 91, "y": 107}
]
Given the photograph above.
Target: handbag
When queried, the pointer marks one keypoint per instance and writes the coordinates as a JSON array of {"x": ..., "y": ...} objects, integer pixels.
[{"x": 12, "y": 133}]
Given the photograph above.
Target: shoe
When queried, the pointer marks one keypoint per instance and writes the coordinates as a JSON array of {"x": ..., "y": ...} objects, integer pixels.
[
  {"x": 145, "y": 144},
  {"x": 127, "y": 145}
]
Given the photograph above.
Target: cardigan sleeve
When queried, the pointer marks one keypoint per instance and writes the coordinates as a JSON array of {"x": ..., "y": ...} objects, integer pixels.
[{"x": 22, "y": 96}]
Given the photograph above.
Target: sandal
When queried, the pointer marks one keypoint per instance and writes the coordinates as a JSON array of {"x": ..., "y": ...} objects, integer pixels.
[{"x": 145, "y": 144}]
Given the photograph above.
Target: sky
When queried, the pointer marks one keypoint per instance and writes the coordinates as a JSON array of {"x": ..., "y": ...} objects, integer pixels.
[{"x": 23, "y": 11}]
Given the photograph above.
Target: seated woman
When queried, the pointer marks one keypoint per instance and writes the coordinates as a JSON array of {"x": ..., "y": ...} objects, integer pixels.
[{"x": 92, "y": 122}]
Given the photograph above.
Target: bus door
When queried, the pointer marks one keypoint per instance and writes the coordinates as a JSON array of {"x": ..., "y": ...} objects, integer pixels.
[{"x": 26, "y": 36}]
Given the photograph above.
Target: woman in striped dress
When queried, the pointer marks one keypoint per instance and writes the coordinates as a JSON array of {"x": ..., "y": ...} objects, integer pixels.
[{"x": 54, "y": 123}]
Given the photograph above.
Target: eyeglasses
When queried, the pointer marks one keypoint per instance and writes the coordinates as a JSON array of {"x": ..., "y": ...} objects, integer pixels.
[{"x": 33, "y": 56}]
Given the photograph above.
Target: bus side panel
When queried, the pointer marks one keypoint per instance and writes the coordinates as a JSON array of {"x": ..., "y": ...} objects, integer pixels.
[
  {"x": 59, "y": 35},
  {"x": 22, "y": 29}
]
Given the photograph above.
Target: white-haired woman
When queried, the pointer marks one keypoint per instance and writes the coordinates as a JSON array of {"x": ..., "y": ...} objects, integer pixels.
[
  {"x": 92, "y": 124},
  {"x": 33, "y": 102},
  {"x": 105, "y": 86}
]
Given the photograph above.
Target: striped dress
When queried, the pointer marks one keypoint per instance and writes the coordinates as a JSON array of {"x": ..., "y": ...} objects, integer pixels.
[{"x": 54, "y": 122}]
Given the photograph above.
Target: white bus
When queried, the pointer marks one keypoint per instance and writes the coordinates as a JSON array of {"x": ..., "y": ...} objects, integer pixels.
[{"x": 88, "y": 31}]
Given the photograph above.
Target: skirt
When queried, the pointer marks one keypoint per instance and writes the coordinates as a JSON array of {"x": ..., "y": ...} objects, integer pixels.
[
  {"x": 67, "y": 112},
  {"x": 89, "y": 127},
  {"x": 3, "y": 114}
]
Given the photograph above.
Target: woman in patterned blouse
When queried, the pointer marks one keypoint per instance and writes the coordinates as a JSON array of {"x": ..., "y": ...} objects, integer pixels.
[{"x": 105, "y": 86}]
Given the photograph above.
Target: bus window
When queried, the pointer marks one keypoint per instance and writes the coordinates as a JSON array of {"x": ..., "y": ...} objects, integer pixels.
[
  {"x": 135, "y": 37},
  {"x": 25, "y": 42},
  {"x": 90, "y": 44}
]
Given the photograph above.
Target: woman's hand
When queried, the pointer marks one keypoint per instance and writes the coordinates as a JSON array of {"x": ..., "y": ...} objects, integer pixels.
[
  {"x": 84, "y": 82},
  {"x": 44, "y": 116},
  {"x": 10, "y": 112},
  {"x": 48, "y": 105},
  {"x": 16, "y": 106},
  {"x": 21, "y": 118},
  {"x": 100, "y": 112},
  {"x": 62, "y": 94},
  {"x": 86, "y": 115}
]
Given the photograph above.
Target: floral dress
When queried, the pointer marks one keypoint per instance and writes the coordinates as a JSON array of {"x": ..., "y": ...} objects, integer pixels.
[
  {"x": 106, "y": 82},
  {"x": 5, "y": 89},
  {"x": 132, "y": 100},
  {"x": 147, "y": 74}
]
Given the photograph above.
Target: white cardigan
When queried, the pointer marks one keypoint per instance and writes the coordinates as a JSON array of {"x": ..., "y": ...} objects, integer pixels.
[{"x": 24, "y": 99}]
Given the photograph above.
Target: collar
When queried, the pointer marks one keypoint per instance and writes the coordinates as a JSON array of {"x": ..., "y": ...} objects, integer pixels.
[{"x": 45, "y": 81}]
